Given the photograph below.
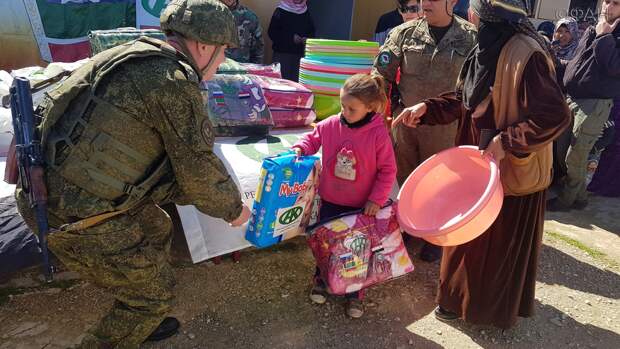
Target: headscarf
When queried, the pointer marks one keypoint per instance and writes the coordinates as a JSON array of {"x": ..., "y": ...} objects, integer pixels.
[
  {"x": 548, "y": 28},
  {"x": 499, "y": 21},
  {"x": 568, "y": 52},
  {"x": 291, "y": 6},
  {"x": 233, "y": 6}
]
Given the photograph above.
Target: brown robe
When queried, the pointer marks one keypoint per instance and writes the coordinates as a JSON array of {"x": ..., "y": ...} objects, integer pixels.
[{"x": 491, "y": 280}]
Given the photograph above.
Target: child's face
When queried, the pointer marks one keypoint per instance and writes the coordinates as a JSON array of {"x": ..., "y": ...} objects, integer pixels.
[{"x": 353, "y": 109}]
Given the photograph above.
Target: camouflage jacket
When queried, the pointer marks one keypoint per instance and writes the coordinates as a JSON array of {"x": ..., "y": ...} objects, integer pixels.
[
  {"x": 251, "y": 46},
  {"x": 160, "y": 113},
  {"x": 427, "y": 68}
]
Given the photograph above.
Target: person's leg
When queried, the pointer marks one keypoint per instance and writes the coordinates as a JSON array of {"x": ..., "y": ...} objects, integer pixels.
[
  {"x": 589, "y": 117},
  {"x": 295, "y": 63},
  {"x": 432, "y": 140},
  {"x": 127, "y": 255},
  {"x": 318, "y": 293},
  {"x": 560, "y": 150},
  {"x": 329, "y": 210},
  {"x": 289, "y": 65},
  {"x": 406, "y": 151},
  {"x": 355, "y": 304}
]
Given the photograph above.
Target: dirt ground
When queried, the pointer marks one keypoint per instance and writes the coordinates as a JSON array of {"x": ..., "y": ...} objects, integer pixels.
[{"x": 262, "y": 301}]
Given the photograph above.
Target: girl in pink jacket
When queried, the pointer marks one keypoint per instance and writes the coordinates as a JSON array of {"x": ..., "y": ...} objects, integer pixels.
[{"x": 359, "y": 168}]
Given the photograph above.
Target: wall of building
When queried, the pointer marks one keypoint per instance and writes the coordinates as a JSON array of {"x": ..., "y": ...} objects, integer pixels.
[
  {"x": 366, "y": 14},
  {"x": 332, "y": 18},
  {"x": 263, "y": 9},
  {"x": 17, "y": 43}
]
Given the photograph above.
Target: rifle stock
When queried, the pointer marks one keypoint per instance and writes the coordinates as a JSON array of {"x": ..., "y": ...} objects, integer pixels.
[{"x": 30, "y": 162}]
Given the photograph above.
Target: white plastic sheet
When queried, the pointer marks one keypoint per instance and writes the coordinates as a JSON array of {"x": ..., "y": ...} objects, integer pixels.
[{"x": 209, "y": 237}]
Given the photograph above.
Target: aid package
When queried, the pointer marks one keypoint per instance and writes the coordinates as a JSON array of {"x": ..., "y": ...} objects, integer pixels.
[{"x": 284, "y": 198}]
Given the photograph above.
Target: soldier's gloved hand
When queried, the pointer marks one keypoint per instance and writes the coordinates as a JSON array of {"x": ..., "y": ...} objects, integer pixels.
[
  {"x": 243, "y": 217},
  {"x": 411, "y": 116}
]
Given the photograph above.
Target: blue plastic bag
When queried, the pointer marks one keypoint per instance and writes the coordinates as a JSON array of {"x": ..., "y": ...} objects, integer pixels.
[{"x": 284, "y": 198}]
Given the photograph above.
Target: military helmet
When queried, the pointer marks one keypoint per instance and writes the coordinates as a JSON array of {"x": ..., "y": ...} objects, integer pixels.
[{"x": 206, "y": 21}]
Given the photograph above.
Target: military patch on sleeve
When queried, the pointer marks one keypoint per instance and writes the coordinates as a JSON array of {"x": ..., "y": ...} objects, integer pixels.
[
  {"x": 385, "y": 58},
  {"x": 207, "y": 133}
]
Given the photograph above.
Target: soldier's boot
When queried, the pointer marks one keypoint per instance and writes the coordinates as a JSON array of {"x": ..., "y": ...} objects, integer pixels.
[
  {"x": 127, "y": 327},
  {"x": 167, "y": 328}
]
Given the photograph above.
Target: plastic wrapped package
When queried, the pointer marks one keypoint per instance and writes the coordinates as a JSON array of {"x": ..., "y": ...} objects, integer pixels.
[
  {"x": 236, "y": 106},
  {"x": 284, "y": 198},
  {"x": 101, "y": 40},
  {"x": 292, "y": 117},
  {"x": 282, "y": 93}
]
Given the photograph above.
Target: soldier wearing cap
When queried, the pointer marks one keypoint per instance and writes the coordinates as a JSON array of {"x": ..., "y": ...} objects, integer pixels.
[
  {"x": 122, "y": 135},
  {"x": 251, "y": 46},
  {"x": 429, "y": 53}
]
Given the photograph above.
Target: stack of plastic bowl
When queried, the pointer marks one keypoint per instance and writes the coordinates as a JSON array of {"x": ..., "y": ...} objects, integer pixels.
[
  {"x": 326, "y": 66},
  {"x": 451, "y": 198}
]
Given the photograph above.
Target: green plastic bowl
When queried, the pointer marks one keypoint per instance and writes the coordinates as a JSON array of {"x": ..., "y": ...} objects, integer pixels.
[{"x": 326, "y": 106}]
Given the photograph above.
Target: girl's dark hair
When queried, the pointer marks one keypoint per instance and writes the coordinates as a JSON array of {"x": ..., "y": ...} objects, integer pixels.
[{"x": 370, "y": 89}]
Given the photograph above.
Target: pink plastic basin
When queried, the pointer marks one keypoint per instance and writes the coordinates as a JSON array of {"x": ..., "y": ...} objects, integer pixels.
[{"x": 452, "y": 197}]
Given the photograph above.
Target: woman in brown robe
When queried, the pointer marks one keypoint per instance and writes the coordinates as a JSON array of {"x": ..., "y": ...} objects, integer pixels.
[{"x": 491, "y": 280}]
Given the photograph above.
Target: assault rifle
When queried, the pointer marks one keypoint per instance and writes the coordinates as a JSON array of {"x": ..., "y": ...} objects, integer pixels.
[{"x": 30, "y": 162}]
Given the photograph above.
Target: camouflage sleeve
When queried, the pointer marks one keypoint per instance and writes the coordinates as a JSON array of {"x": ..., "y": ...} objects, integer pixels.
[
  {"x": 201, "y": 177},
  {"x": 257, "y": 51},
  {"x": 389, "y": 58}
]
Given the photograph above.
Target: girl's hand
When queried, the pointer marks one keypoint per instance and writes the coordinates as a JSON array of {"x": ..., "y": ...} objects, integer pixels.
[
  {"x": 243, "y": 217},
  {"x": 495, "y": 149},
  {"x": 371, "y": 208},
  {"x": 411, "y": 116},
  {"x": 298, "y": 152},
  {"x": 298, "y": 39}
]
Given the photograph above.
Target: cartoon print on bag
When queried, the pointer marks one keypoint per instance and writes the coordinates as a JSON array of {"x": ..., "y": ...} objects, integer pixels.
[{"x": 354, "y": 263}]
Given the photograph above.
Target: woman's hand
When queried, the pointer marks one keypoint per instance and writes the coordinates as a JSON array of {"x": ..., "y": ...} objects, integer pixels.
[
  {"x": 298, "y": 39},
  {"x": 371, "y": 208},
  {"x": 298, "y": 152},
  {"x": 495, "y": 149},
  {"x": 411, "y": 116}
]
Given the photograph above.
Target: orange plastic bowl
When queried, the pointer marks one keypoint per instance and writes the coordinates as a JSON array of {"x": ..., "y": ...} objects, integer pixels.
[{"x": 452, "y": 197}]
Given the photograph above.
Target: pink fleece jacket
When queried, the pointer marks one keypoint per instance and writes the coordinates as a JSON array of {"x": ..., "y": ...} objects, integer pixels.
[{"x": 358, "y": 163}]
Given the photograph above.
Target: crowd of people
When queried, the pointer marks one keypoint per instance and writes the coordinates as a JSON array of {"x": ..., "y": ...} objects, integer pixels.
[{"x": 492, "y": 81}]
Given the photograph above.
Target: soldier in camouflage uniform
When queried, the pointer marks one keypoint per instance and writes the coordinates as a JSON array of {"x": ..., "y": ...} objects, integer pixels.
[
  {"x": 122, "y": 135},
  {"x": 429, "y": 53},
  {"x": 251, "y": 46}
]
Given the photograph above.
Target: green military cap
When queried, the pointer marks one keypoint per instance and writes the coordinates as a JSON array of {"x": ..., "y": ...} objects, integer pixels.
[{"x": 206, "y": 21}]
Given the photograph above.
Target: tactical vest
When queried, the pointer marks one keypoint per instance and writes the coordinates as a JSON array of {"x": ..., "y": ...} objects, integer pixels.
[{"x": 84, "y": 136}]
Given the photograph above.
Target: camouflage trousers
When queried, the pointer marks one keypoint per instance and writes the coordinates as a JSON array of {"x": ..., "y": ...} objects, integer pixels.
[
  {"x": 128, "y": 256},
  {"x": 589, "y": 118},
  {"x": 414, "y": 145}
]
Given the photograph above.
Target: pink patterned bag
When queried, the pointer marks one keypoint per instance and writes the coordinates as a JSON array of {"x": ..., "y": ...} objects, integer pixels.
[{"x": 357, "y": 251}]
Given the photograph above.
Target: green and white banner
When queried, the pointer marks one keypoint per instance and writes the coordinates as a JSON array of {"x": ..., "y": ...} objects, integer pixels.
[
  {"x": 61, "y": 27},
  {"x": 148, "y": 11}
]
